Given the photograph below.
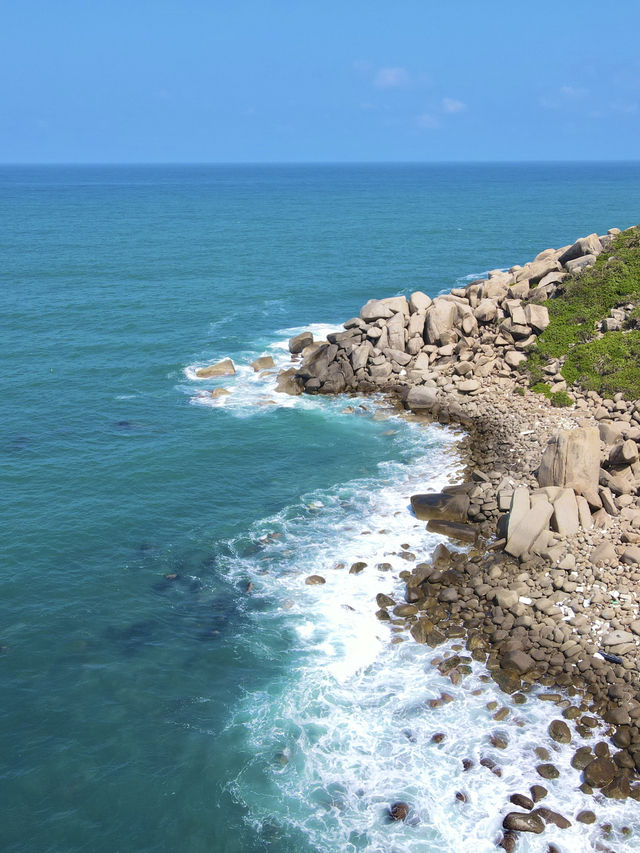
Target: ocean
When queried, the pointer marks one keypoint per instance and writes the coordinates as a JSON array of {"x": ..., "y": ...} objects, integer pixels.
[{"x": 169, "y": 682}]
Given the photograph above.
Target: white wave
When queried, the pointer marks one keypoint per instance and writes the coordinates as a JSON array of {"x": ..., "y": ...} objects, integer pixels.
[
  {"x": 253, "y": 392},
  {"x": 351, "y": 730}
]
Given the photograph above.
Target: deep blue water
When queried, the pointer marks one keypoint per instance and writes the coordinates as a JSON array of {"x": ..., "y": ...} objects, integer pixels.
[{"x": 141, "y": 713}]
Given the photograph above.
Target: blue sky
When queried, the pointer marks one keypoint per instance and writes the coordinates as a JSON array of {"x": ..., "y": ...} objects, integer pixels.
[{"x": 279, "y": 81}]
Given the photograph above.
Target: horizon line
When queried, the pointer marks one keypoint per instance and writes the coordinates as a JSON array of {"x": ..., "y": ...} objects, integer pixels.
[{"x": 88, "y": 163}]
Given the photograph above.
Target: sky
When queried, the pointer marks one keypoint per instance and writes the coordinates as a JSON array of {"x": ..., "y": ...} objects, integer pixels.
[{"x": 205, "y": 81}]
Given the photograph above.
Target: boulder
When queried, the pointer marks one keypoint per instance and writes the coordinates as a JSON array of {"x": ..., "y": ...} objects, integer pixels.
[
  {"x": 317, "y": 365},
  {"x": 486, "y": 311},
  {"x": 537, "y": 316},
  {"x": 453, "y": 530},
  {"x": 219, "y": 392},
  {"x": 522, "y": 536},
  {"x": 559, "y": 731},
  {"x": 599, "y": 772},
  {"x": 299, "y": 342},
  {"x": 395, "y": 332},
  {"x": 263, "y": 363},
  {"x": 440, "y": 506},
  {"x": 537, "y": 270},
  {"x": 360, "y": 355},
  {"x": 374, "y": 310},
  {"x": 572, "y": 459},
  {"x": 565, "y": 519},
  {"x": 523, "y": 822},
  {"x": 415, "y": 328},
  {"x": 288, "y": 382},
  {"x": 580, "y": 263},
  {"x": 396, "y": 304},
  {"x": 518, "y": 661},
  {"x": 624, "y": 453},
  {"x": 419, "y": 302},
  {"x": 440, "y": 320},
  {"x": 420, "y": 398},
  {"x": 590, "y": 245},
  {"x": 220, "y": 368},
  {"x": 513, "y": 358}
]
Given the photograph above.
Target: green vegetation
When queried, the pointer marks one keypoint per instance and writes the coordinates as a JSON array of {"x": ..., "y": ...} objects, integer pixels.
[
  {"x": 605, "y": 364},
  {"x": 542, "y": 388},
  {"x": 560, "y": 399}
]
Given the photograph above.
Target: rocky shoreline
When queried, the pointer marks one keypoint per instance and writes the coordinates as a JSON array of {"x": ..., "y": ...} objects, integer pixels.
[
  {"x": 541, "y": 582},
  {"x": 545, "y": 588}
]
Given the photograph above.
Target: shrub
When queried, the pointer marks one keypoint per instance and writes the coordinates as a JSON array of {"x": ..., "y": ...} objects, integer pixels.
[{"x": 560, "y": 399}]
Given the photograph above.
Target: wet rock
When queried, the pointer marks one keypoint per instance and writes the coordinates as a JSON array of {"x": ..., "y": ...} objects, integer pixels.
[
  {"x": 220, "y": 368},
  {"x": 405, "y": 610},
  {"x": 461, "y": 797},
  {"x": 383, "y": 600},
  {"x": 399, "y": 811},
  {"x": 216, "y": 393},
  {"x": 356, "y": 568},
  {"x": 508, "y": 842},
  {"x": 522, "y": 801},
  {"x": 263, "y": 363},
  {"x": 523, "y": 822},
  {"x": 548, "y": 771},
  {"x": 549, "y": 816},
  {"x": 538, "y": 792},
  {"x": 299, "y": 342},
  {"x": 582, "y": 757},
  {"x": 599, "y": 772},
  {"x": 315, "y": 580},
  {"x": 453, "y": 530},
  {"x": 559, "y": 731},
  {"x": 288, "y": 382},
  {"x": 586, "y": 816},
  {"x": 440, "y": 506}
]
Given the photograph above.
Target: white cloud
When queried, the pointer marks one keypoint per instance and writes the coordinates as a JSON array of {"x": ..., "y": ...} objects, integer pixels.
[
  {"x": 561, "y": 97},
  {"x": 573, "y": 92},
  {"x": 450, "y": 105},
  {"x": 391, "y": 78},
  {"x": 428, "y": 121}
]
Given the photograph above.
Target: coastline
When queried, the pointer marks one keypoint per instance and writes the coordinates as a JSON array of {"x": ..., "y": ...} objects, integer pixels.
[{"x": 540, "y": 617}]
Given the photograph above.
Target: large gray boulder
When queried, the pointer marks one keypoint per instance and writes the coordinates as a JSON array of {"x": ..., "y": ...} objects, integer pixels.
[
  {"x": 537, "y": 316},
  {"x": 522, "y": 536},
  {"x": 590, "y": 245},
  {"x": 572, "y": 459},
  {"x": 299, "y": 342},
  {"x": 396, "y": 304},
  {"x": 288, "y": 382},
  {"x": 375, "y": 309},
  {"x": 421, "y": 398},
  {"x": 537, "y": 270},
  {"x": 440, "y": 506},
  {"x": 486, "y": 311},
  {"x": 440, "y": 321},
  {"x": 419, "y": 302},
  {"x": 317, "y": 365},
  {"x": 565, "y": 519},
  {"x": 395, "y": 332}
]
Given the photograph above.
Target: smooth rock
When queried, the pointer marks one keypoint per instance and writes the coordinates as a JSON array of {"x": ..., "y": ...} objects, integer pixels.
[{"x": 221, "y": 368}]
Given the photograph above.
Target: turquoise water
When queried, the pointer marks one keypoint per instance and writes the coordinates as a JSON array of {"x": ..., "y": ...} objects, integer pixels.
[{"x": 141, "y": 713}]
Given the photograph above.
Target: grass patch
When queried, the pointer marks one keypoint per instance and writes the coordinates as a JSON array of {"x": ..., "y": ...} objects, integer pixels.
[
  {"x": 607, "y": 365},
  {"x": 587, "y": 297},
  {"x": 542, "y": 388},
  {"x": 560, "y": 399}
]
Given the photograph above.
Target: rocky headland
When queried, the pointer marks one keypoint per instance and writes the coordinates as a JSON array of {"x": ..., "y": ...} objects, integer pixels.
[
  {"x": 540, "y": 367},
  {"x": 541, "y": 581}
]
